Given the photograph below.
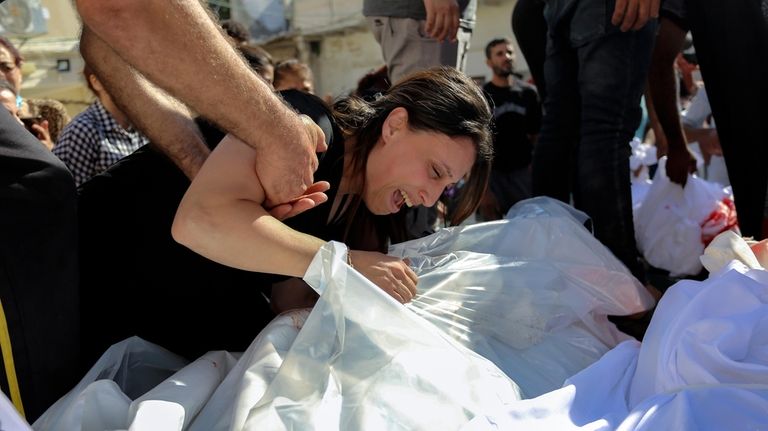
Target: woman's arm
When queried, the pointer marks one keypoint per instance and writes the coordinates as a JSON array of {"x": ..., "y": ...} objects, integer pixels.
[{"x": 222, "y": 217}]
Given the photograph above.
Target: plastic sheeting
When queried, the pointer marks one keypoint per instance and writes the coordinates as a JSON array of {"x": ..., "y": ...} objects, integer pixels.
[
  {"x": 525, "y": 298},
  {"x": 531, "y": 293}
]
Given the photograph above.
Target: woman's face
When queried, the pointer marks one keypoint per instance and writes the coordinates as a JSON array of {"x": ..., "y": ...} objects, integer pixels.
[
  {"x": 413, "y": 167},
  {"x": 8, "y": 67}
]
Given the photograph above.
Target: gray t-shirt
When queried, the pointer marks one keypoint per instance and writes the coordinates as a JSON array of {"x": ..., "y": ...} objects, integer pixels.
[{"x": 415, "y": 9}]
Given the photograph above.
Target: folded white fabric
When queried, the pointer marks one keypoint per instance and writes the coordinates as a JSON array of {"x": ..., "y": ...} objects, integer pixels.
[{"x": 703, "y": 365}]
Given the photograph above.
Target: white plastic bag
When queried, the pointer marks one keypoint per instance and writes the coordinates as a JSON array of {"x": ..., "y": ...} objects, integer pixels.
[
  {"x": 531, "y": 293},
  {"x": 674, "y": 224},
  {"x": 103, "y": 397}
]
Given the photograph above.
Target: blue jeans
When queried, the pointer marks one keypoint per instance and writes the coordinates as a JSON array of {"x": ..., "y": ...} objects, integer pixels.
[{"x": 591, "y": 112}]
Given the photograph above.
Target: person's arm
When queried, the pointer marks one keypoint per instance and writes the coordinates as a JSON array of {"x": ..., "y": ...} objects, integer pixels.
[
  {"x": 165, "y": 121},
  {"x": 176, "y": 45},
  {"x": 222, "y": 217},
  {"x": 442, "y": 19},
  {"x": 634, "y": 14},
  {"x": 661, "y": 81}
]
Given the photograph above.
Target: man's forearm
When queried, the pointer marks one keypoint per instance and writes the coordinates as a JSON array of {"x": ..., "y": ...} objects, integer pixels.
[
  {"x": 174, "y": 43},
  {"x": 661, "y": 79},
  {"x": 164, "y": 120}
]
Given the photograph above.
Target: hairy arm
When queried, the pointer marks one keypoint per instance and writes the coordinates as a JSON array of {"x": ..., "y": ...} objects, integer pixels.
[
  {"x": 163, "y": 119},
  {"x": 177, "y": 46}
]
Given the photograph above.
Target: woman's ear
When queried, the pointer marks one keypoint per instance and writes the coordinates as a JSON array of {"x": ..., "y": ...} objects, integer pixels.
[{"x": 396, "y": 121}]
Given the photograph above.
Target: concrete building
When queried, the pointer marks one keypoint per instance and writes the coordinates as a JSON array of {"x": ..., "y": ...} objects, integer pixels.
[{"x": 52, "y": 66}]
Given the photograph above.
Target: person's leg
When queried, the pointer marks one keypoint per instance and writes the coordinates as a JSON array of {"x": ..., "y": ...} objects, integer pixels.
[
  {"x": 454, "y": 54},
  {"x": 530, "y": 30},
  {"x": 405, "y": 46},
  {"x": 731, "y": 40},
  {"x": 510, "y": 188},
  {"x": 552, "y": 165},
  {"x": 612, "y": 74}
]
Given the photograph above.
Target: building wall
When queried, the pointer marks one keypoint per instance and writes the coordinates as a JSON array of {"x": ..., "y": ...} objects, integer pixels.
[
  {"x": 47, "y": 56},
  {"x": 343, "y": 59}
]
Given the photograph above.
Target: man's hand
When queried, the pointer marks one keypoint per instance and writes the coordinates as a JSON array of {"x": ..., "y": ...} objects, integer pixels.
[
  {"x": 634, "y": 14},
  {"x": 391, "y": 274},
  {"x": 442, "y": 19},
  {"x": 680, "y": 163},
  {"x": 314, "y": 196},
  {"x": 286, "y": 168}
]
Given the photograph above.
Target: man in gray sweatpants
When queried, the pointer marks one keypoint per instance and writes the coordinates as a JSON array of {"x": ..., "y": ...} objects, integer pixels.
[{"x": 418, "y": 34}]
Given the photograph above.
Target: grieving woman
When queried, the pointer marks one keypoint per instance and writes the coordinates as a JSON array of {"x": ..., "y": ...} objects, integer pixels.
[{"x": 402, "y": 149}]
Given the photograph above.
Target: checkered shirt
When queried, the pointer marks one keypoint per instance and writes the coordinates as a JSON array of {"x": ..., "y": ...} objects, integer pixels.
[{"x": 93, "y": 141}]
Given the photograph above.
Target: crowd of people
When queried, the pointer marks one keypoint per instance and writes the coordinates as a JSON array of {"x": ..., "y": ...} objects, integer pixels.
[{"x": 175, "y": 196}]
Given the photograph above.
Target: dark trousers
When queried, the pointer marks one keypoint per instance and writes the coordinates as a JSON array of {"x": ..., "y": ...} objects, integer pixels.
[
  {"x": 530, "y": 30},
  {"x": 591, "y": 112},
  {"x": 731, "y": 40}
]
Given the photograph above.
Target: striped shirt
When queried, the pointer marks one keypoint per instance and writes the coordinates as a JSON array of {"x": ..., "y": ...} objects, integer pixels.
[{"x": 93, "y": 141}]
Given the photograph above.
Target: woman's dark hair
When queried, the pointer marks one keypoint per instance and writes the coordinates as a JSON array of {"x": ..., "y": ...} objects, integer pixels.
[
  {"x": 17, "y": 58},
  {"x": 441, "y": 100},
  {"x": 256, "y": 57}
]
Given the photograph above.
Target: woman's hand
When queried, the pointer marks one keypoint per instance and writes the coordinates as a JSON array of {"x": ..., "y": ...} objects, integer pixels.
[
  {"x": 314, "y": 196},
  {"x": 391, "y": 274}
]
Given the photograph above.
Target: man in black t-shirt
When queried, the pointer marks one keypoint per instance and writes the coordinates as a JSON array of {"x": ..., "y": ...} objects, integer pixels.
[{"x": 517, "y": 118}]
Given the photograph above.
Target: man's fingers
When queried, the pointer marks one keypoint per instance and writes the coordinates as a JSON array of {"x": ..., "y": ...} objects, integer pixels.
[
  {"x": 618, "y": 12},
  {"x": 430, "y": 21},
  {"x": 438, "y": 29},
  {"x": 643, "y": 14},
  {"x": 654, "y": 11},
  {"x": 454, "y": 25},
  {"x": 630, "y": 15}
]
